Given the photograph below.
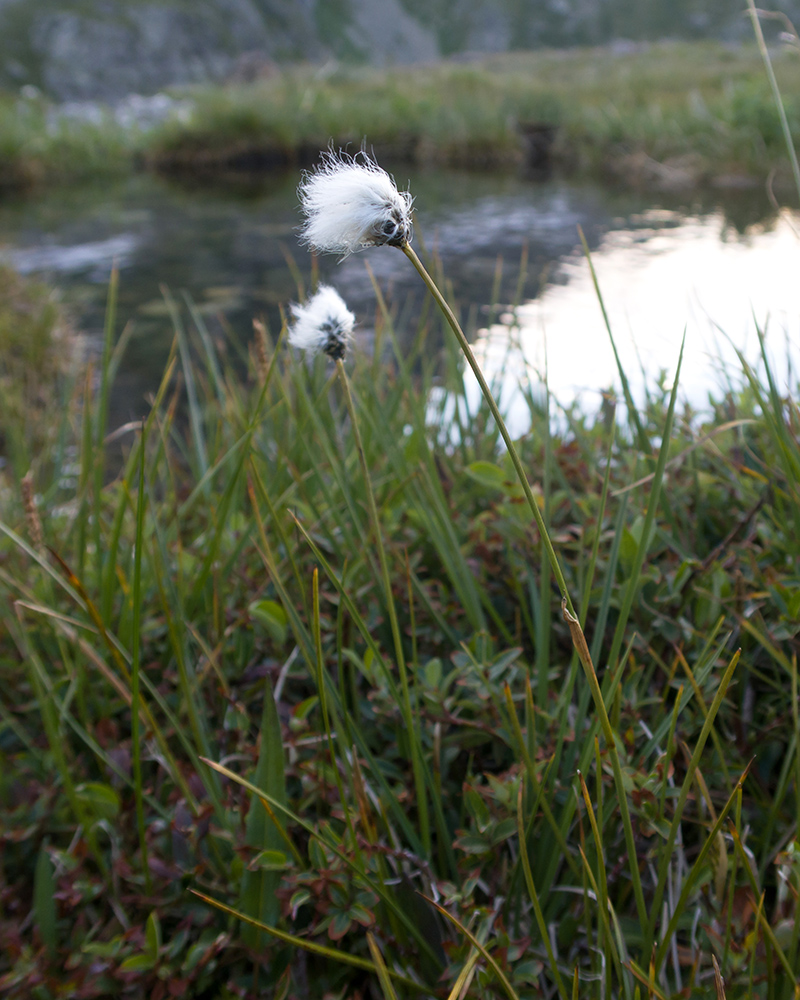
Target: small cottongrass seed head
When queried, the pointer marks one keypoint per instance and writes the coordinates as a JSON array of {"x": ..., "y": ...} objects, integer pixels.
[
  {"x": 324, "y": 324},
  {"x": 351, "y": 203}
]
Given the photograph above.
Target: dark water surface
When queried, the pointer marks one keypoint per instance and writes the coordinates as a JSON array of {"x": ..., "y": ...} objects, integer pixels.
[{"x": 236, "y": 253}]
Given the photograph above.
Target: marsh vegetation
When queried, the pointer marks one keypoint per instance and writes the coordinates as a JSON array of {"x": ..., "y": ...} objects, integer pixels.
[
  {"x": 702, "y": 111},
  {"x": 290, "y": 703}
]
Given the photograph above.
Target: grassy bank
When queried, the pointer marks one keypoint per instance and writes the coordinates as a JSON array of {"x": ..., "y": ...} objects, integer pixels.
[
  {"x": 667, "y": 114},
  {"x": 215, "y": 615},
  {"x": 37, "y": 148}
]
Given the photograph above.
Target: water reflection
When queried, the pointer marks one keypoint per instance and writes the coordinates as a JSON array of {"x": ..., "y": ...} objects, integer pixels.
[
  {"x": 662, "y": 264},
  {"x": 667, "y": 275}
]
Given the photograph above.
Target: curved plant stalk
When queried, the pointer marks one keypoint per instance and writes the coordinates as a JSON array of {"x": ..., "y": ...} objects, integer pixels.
[
  {"x": 323, "y": 702},
  {"x": 776, "y": 93},
  {"x": 509, "y": 989},
  {"x": 380, "y": 965},
  {"x": 579, "y": 641},
  {"x": 316, "y": 949},
  {"x": 689, "y": 881},
  {"x": 655, "y": 906},
  {"x": 501, "y": 426},
  {"x": 600, "y": 884},
  {"x": 534, "y": 896}
]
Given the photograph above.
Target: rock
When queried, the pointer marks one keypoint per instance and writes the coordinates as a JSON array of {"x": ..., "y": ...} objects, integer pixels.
[
  {"x": 81, "y": 50},
  {"x": 126, "y": 48},
  {"x": 386, "y": 35}
]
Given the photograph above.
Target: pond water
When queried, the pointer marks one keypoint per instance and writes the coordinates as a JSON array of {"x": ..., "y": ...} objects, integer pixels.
[{"x": 712, "y": 263}]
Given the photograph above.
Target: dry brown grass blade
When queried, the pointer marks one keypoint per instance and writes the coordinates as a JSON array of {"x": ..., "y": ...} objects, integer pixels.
[{"x": 719, "y": 982}]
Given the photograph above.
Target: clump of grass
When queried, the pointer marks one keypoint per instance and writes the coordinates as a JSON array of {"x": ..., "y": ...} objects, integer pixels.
[
  {"x": 702, "y": 104},
  {"x": 226, "y": 588},
  {"x": 38, "y": 354},
  {"x": 38, "y": 146},
  {"x": 669, "y": 101}
]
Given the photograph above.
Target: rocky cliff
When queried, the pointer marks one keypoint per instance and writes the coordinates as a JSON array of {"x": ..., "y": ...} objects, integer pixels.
[
  {"x": 83, "y": 49},
  {"x": 89, "y": 49}
]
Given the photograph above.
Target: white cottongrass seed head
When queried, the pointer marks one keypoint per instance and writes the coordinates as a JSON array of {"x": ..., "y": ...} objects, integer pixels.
[
  {"x": 324, "y": 324},
  {"x": 351, "y": 203}
]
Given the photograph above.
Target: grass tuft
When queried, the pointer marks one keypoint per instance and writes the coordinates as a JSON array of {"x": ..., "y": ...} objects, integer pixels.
[{"x": 418, "y": 804}]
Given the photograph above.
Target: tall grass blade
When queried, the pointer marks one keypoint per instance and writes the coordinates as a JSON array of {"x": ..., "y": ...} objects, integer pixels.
[
  {"x": 776, "y": 94},
  {"x": 666, "y": 855},
  {"x": 258, "y": 889},
  {"x": 44, "y": 901},
  {"x": 335, "y": 954},
  {"x": 136, "y": 600},
  {"x": 488, "y": 957},
  {"x": 534, "y": 897},
  {"x": 380, "y": 965}
]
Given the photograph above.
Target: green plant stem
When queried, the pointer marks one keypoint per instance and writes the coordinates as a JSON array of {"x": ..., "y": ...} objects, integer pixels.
[
  {"x": 323, "y": 702},
  {"x": 501, "y": 426},
  {"x": 101, "y": 414},
  {"x": 141, "y": 503},
  {"x": 534, "y": 896},
  {"x": 776, "y": 93},
  {"x": 666, "y": 856},
  {"x": 580, "y": 644},
  {"x": 416, "y": 763},
  {"x": 691, "y": 878}
]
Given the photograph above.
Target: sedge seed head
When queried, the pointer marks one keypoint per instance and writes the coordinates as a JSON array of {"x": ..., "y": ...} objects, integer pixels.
[
  {"x": 351, "y": 203},
  {"x": 323, "y": 323}
]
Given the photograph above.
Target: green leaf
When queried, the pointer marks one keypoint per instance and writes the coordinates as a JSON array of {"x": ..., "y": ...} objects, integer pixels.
[
  {"x": 272, "y": 616},
  {"x": 99, "y": 799},
  {"x": 369, "y": 657},
  {"x": 504, "y": 829},
  {"x": 195, "y": 956},
  {"x": 44, "y": 903},
  {"x": 470, "y": 844},
  {"x": 628, "y": 549},
  {"x": 433, "y": 673},
  {"x": 258, "y": 888},
  {"x": 153, "y": 936},
  {"x": 316, "y": 854},
  {"x": 299, "y": 898},
  {"x": 528, "y": 972},
  {"x": 137, "y": 963},
  {"x": 104, "y": 949},
  {"x": 361, "y": 914},
  {"x": 270, "y": 861},
  {"x": 304, "y": 709},
  {"x": 339, "y": 926},
  {"x": 488, "y": 474},
  {"x": 477, "y": 808}
]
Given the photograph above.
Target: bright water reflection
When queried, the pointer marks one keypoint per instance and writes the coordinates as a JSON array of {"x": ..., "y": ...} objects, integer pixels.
[
  {"x": 668, "y": 275},
  {"x": 663, "y": 262}
]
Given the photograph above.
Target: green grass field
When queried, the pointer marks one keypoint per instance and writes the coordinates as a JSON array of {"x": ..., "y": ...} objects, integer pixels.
[{"x": 224, "y": 773}]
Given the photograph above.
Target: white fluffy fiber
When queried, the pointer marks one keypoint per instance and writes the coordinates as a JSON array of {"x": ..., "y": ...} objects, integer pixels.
[
  {"x": 351, "y": 203},
  {"x": 324, "y": 323}
]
